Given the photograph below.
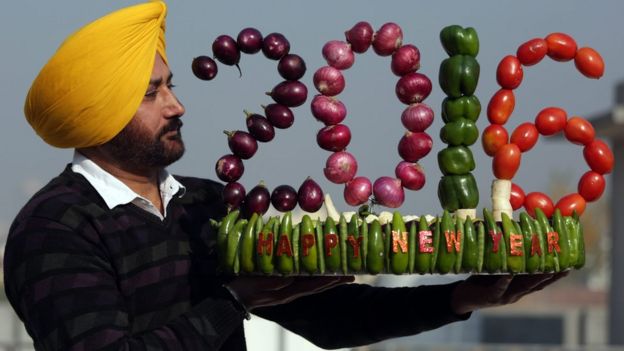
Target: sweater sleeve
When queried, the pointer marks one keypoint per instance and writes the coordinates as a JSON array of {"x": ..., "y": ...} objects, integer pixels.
[
  {"x": 66, "y": 292},
  {"x": 354, "y": 314}
]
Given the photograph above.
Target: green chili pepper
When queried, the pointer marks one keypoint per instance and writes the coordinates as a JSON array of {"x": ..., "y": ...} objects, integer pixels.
[
  {"x": 459, "y": 233},
  {"x": 468, "y": 107},
  {"x": 564, "y": 242},
  {"x": 515, "y": 246},
  {"x": 364, "y": 246},
  {"x": 354, "y": 245},
  {"x": 480, "y": 245},
  {"x": 551, "y": 260},
  {"x": 342, "y": 241},
  {"x": 458, "y": 40},
  {"x": 456, "y": 160},
  {"x": 494, "y": 255},
  {"x": 399, "y": 256},
  {"x": 570, "y": 226},
  {"x": 296, "y": 235},
  {"x": 226, "y": 225},
  {"x": 423, "y": 246},
  {"x": 309, "y": 245},
  {"x": 247, "y": 245},
  {"x": 435, "y": 229},
  {"x": 458, "y": 191},
  {"x": 233, "y": 239},
  {"x": 265, "y": 246},
  {"x": 580, "y": 262},
  {"x": 460, "y": 132},
  {"x": 332, "y": 245},
  {"x": 284, "y": 250},
  {"x": 375, "y": 259},
  {"x": 531, "y": 244},
  {"x": 470, "y": 247},
  {"x": 459, "y": 75},
  {"x": 449, "y": 245},
  {"x": 320, "y": 245}
]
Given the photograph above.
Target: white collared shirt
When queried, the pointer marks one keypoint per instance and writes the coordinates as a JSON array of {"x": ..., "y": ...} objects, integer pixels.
[{"x": 115, "y": 192}]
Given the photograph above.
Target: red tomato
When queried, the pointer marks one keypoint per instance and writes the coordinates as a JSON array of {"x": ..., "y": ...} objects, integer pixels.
[
  {"x": 501, "y": 106},
  {"x": 532, "y": 52},
  {"x": 516, "y": 197},
  {"x": 538, "y": 200},
  {"x": 579, "y": 131},
  {"x": 591, "y": 186},
  {"x": 551, "y": 120},
  {"x": 571, "y": 203},
  {"x": 493, "y": 137},
  {"x": 598, "y": 156},
  {"x": 506, "y": 161},
  {"x": 589, "y": 62},
  {"x": 525, "y": 136},
  {"x": 561, "y": 47},
  {"x": 509, "y": 72}
]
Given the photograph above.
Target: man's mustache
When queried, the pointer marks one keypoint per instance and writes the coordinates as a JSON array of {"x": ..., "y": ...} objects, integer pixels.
[{"x": 172, "y": 126}]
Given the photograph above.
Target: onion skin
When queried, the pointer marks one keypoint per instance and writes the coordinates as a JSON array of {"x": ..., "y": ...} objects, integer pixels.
[
  {"x": 334, "y": 137},
  {"x": 417, "y": 117},
  {"x": 233, "y": 194},
  {"x": 338, "y": 54},
  {"x": 413, "y": 88},
  {"x": 310, "y": 196},
  {"x": 388, "y": 192},
  {"x": 329, "y": 81},
  {"x": 249, "y": 40},
  {"x": 405, "y": 59},
  {"x": 358, "y": 191},
  {"x": 284, "y": 198},
  {"x": 411, "y": 175},
  {"x": 387, "y": 39},
  {"x": 291, "y": 67},
  {"x": 229, "y": 168},
  {"x": 275, "y": 46},
  {"x": 328, "y": 110},
  {"x": 290, "y": 93},
  {"x": 204, "y": 68},
  {"x": 340, "y": 167},
  {"x": 414, "y": 146},
  {"x": 360, "y": 36}
]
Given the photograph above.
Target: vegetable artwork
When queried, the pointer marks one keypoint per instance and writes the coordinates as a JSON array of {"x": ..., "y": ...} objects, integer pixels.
[
  {"x": 411, "y": 89},
  {"x": 458, "y": 78},
  {"x": 391, "y": 244},
  {"x": 507, "y": 152}
]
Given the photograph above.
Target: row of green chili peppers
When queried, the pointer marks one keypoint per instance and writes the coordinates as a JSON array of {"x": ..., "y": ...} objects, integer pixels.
[
  {"x": 458, "y": 78},
  {"x": 447, "y": 244}
]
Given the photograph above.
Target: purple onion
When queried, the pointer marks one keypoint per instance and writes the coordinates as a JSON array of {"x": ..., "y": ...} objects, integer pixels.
[
  {"x": 229, "y": 168},
  {"x": 388, "y": 192},
  {"x": 405, "y": 59},
  {"x": 284, "y": 198},
  {"x": 340, "y": 167},
  {"x": 328, "y": 109},
  {"x": 334, "y": 137},
  {"x": 360, "y": 36},
  {"x": 357, "y": 191},
  {"x": 414, "y": 146},
  {"x": 329, "y": 81},
  {"x": 310, "y": 196},
  {"x": 413, "y": 88},
  {"x": 289, "y": 93},
  {"x": 387, "y": 39},
  {"x": 411, "y": 175},
  {"x": 338, "y": 54},
  {"x": 257, "y": 200},
  {"x": 417, "y": 117},
  {"x": 233, "y": 194}
]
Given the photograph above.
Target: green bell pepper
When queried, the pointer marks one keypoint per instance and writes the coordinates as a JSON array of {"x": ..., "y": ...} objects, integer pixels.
[
  {"x": 460, "y": 132},
  {"x": 458, "y": 40},
  {"x": 459, "y": 75},
  {"x": 456, "y": 160},
  {"x": 468, "y": 107},
  {"x": 458, "y": 191}
]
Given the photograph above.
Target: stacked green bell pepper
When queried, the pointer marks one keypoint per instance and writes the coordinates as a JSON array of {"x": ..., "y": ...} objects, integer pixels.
[{"x": 458, "y": 78}]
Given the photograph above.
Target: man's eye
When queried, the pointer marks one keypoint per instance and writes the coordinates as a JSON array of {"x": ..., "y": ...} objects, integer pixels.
[
  {"x": 171, "y": 86},
  {"x": 151, "y": 93}
]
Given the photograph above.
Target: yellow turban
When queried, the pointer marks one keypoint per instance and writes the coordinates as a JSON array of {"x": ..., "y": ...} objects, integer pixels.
[{"x": 93, "y": 85}]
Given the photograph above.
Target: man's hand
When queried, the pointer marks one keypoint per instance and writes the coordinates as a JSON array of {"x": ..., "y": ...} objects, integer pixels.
[
  {"x": 481, "y": 291},
  {"x": 256, "y": 292}
]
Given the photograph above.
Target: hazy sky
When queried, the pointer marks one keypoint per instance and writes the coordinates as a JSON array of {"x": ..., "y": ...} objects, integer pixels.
[{"x": 30, "y": 31}]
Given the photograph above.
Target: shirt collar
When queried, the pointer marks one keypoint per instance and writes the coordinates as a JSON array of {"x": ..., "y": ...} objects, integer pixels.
[{"x": 115, "y": 192}]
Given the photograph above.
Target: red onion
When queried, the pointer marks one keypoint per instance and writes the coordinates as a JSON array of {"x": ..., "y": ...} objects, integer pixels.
[
  {"x": 204, "y": 68},
  {"x": 259, "y": 127},
  {"x": 257, "y": 200},
  {"x": 280, "y": 116},
  {"x": 413, "y": 87},
  {"x": 334, "y": 137},
  {"x": 411, "y": 175},
  {"x": 291, "y": 67},
  {"x": 229, "y": 168},
  {"x": 338, "y": 54},
  {"x": 289, "y": 93},
  {"x": 242, "y": 144},
  {"x": 310, "y": 196},
  {"x": 275, "y": 45},
  {"x": 417, "y": 117},
  {"x": 388, "y": 192},
  {"x": 249, "y": 40},
  {"x": 405, "y": 59},
  {"x": 329, "y": 81},
  {"x": 360, "y": 36},
  {"x": 414, "y": 146},
  {"x": 387, "y": 39},
  {"x": 340, "y": 167},
  {"x": 284, "y": 198},
  {"x": 358, "y": 191},
  {"x": 233, "y": 194},
  {"x": 328, "y": 109}
]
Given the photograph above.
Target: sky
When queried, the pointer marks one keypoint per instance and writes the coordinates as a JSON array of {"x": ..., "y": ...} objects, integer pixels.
[{"x": 30, "y": 31}]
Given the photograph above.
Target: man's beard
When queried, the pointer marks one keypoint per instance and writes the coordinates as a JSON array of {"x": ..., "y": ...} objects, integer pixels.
[{"x": 138, "y": 149}]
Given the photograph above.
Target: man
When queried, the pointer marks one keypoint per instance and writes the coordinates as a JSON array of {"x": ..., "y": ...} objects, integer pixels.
[{"x": 116, "y": 253}]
